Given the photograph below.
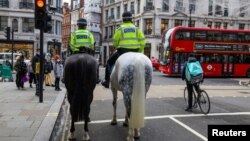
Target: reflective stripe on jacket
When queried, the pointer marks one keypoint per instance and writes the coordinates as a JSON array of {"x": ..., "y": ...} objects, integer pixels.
[
  {"x": 129, "y": 36},
  {"x": 81, "y": 38}
]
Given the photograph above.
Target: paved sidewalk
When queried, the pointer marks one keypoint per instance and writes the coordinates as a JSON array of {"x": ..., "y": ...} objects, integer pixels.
[{"x": 23, "y": 118}]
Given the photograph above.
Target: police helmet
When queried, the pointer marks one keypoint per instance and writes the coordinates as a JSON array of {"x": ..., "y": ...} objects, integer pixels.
[
  {"x": 82, "y": 22},
  {"x": 127, "y": 16}
]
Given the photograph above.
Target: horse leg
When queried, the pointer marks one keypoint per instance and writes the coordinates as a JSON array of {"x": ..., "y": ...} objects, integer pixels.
[
  {"x": 114, "y": 91},
  {"x": 128, "y": 108},
  {"x": 125, "y": 123},
  {"x": 130, "y": 134},
  {"x": 137, "y": 133},
  {"x": 72, "y": 130},
  {"x": 86, "y": 134},
  {"x": 87, "y": 119}
]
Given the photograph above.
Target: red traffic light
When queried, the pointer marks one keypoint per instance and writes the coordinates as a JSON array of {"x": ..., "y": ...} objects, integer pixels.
[{"x": 40, "y": 3}]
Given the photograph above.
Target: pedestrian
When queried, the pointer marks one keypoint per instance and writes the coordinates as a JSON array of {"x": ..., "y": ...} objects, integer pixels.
[
  {"x": 31, "y": 73},
  {"x": 21, "y": 70},
  {"x": 48, "y": 67},
  {"x": 58, "y": 72},
  {"x": 190, "y": 85},
  {"x": 127, "y": 38},
  {"x": 82, "y": 40},
  {"x": 36, "y": 69}
]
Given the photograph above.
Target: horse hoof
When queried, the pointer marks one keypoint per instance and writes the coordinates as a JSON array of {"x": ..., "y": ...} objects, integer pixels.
[
  {"x": 125, "y": 124},
  {"x": 137, "y": 138},
  {"x": 113, "y": 123},
  {"x": 71, "y": 137}
]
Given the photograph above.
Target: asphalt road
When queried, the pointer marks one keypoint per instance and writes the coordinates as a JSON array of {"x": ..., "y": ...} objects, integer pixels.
[{"x": 166, "y": 119}]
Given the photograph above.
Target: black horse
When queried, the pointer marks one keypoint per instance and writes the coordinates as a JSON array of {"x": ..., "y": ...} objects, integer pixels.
[{"x": 80, "y": 81}]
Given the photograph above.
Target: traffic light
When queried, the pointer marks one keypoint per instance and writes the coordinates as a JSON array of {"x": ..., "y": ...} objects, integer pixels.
[
  {"x": 7, "y": 33},
  {"x": 40, "y": 13},
  {"x": 47, "y": 25}
]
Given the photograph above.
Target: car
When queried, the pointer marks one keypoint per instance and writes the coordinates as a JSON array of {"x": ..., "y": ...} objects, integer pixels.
[{"x": 155, "y": 63}]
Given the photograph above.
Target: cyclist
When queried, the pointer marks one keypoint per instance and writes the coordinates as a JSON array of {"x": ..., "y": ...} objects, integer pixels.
[{"x": 190, "y": 85}]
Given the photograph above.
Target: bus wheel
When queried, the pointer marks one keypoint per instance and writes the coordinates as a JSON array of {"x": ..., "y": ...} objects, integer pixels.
[{"x": 248, "y": 73}]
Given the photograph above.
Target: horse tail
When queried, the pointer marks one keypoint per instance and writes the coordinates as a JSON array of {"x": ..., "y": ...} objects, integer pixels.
[{"x": 138, "y": 96}]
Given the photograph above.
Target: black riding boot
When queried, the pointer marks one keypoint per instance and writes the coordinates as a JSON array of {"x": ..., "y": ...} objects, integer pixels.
[{"x": 105, "y": 83}]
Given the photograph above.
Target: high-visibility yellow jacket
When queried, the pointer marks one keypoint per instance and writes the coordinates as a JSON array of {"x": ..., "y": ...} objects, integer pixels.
[
  {"x": 129, "y": 36},
  {"x": 81, "y": 38}
]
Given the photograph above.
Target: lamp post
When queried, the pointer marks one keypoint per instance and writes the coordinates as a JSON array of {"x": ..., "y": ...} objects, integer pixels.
[
  {"x": 12, "y": 50},
  {"x": 190, "y": 19}
]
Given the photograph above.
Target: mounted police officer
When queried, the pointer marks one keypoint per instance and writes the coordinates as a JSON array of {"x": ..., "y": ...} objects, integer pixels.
[
  {"x": 127, "y": 38},
  {"x": 82, "y": 40}
]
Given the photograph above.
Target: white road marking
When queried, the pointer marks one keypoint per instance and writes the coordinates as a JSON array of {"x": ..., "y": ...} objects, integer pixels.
[
  {"x": 189, "y": 129},
  {"x": 65, "y": 123},
  {"x": 173, "y": 116}
]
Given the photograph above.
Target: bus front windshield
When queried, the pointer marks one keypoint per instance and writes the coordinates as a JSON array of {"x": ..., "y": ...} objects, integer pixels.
[{"x": 165, "y": 54}]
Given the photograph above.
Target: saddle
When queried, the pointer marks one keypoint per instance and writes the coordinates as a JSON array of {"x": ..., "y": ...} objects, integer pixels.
[{"x": 85, "y": 50}]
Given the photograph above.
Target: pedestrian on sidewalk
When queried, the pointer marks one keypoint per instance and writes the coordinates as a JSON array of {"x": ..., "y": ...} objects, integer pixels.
[
  {"x": 21, "y": 70},
  {"x": 48, "y": 68},
  {"x": 31, "y": 73},
  {"x": 58, "y": 71},
  {"x": 36, "y": 69}
]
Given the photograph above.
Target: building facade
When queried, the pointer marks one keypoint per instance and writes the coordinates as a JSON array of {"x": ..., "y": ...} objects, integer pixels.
[
  {"x": 66, "y": 29},
  {"x": 92, "y": 12},
  {"x": 153, "y": 17},
  {"x": 19, "y": 16}
]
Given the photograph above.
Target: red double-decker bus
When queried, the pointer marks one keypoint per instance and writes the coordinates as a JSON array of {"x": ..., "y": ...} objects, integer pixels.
[{"x": 221, "y": 52}]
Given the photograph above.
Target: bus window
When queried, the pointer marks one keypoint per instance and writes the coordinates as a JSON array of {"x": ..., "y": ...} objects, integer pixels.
[
  {"x": 182, "y": 35},
  {"x": 207, "y": 58},
  {"x": 199, "y": 35},
  {"x": 187, "y": 35},
  {"x": 214, "y": 36},
  {"x": 215, "y": 58},
  {"x": 225, "y": 37},
  {"x": 246, "y": 59},
  {"x": 232, "y": 37},
  {"x": 247, "y": 37},
  {"x": 179, "y": 35},
  {"x": 237, "y": 59},
  {"x": 241, "y": 37},
  {"x": 217, "y": 36}
]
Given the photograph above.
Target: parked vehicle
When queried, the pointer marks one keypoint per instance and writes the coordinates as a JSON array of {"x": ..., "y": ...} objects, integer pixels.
[{"x": 4, "y": 57}]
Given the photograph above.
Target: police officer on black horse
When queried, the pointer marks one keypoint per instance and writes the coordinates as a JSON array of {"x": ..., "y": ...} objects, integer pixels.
[{"x": 82, "y": 41}]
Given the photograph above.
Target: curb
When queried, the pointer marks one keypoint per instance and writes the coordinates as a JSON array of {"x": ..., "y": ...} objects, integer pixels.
[{"x": 45, "y": 130}]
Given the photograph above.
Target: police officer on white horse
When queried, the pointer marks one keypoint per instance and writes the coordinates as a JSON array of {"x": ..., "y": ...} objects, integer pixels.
[{"x": 127, "y": 38}]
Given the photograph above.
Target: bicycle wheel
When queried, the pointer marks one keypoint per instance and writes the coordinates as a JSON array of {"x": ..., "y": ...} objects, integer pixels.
[
  {"x": 204, "y": 102},
  {"x": 186, "y": 97}
]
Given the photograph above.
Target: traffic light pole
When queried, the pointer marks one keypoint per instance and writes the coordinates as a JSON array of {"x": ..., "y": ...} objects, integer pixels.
[
  {"x": 41, "y": 66},
  {"x": 12, "y": 50}
]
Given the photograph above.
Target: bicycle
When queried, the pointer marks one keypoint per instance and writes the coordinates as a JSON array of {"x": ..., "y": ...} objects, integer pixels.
[{"x": 201, "y": 98}]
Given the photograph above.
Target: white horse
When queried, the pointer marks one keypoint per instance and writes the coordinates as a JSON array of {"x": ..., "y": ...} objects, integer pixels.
[{"x": 132, "y": 75}]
